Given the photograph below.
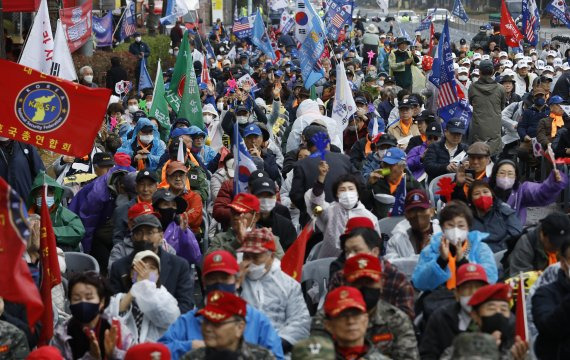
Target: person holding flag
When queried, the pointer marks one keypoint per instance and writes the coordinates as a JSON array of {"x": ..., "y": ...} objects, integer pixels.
[
  {"x": 401, "y": 61},
  {"x": 141, "y": 50}
]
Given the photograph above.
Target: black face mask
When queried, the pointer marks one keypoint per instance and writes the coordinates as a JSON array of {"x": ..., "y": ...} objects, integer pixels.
[
  {"x": 166, "y": 216},
  {"x": 84, "y": 311},
  {"x": 142, "y": 245},
  {"x": 371, "y": 296},
  {"x": 496, "y": 322}
]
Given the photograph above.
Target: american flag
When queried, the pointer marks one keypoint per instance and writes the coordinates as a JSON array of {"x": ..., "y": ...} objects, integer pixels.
[
  {"x": 337, "y": 20},
  {"x": 446, "y": 95},
  {"x": 241, "y": 25},
  {"x": 128, "y": 27},
  {"x": 531, "y": 26}
]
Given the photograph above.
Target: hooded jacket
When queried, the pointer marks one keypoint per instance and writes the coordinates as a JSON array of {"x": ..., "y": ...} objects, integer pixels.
[
  {"x": 307, "y": 112},
  {"x": 67, "y": 226},
  {"x": 156, "y": 151},
  {"x": 501, "y": 223},
  {"x": 488, "y": 100}
]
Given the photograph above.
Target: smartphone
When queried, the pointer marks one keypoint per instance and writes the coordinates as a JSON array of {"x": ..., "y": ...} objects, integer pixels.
[{"x": 470, "y": 173}]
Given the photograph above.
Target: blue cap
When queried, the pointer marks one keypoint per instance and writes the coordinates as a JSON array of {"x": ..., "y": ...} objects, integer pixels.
[
  {"x": 195, "y": 131},
  {"x": 279, "y": 73},
  {"x": 393, "y": 156},
  {"x": 179, "y": 132},
  {"x": 556, "y": 99},
  {"x": 456, "y": 126},
  {"x": 252, "y": 130},
  {"x": 203, "y": 86}
]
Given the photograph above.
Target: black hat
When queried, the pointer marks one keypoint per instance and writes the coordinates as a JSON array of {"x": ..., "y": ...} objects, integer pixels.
[
  {"x": 462, "y": 41},
  {"x": 407, "y": 103},
  {"x": 434, "y": 129},
  {"x": 181, "y": 121},
  {"x": 483, "y": 28},
  {"x": 506, "y": 78},
  {"x": 437, "y": 35},
  {"x": 360, "y": 100},
  {"x": 166, "y": 195},
  {"x": 456, "y": 126},
  {"x": 557, "y": 227},
  {"x": 387, "y": 139},
  {"x": 257, "y": 174},
  {"x": 146, "y": 174},
  {"x": 390, "y": 80},
  {"x": 137, "y": 115},
  {"x": 148, "y": 220},
  {"x": 147, "y": 128},
  {"x": 103, "y": 159},
  {"x": 402, "y": 40},
  {"x": 262, "y": 185},
  {"x": 426, "y": 115}
]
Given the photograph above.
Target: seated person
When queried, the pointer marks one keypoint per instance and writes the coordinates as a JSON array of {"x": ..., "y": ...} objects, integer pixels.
[
  {"x": 373, "y": 159},
  {"x": 454, "y": 247},
  {"x": 223, "y": 328},
  {"x": 450, "y": 320},
  {"x": 67, "y": 226},
  {"x": 477, "y": 167},
  {"x": 405, "y": 128},
  {"x": 267, "y": 288},
  {"x": 145, "y": 147},
  {"x": 220, "y": 273},
  {"x": 439, "y": 157},
  {"x": 424, "y": 120},
  {"x": 538, "y": 247},
  {"x": 411, "y": 235},
  {"x": 199, "y": 149},
  {"x": 492, "y": 216},
  {"x": 176, "y": 174},
  {"x": 369, "y": 144},
  {"x": 416, "y": 155}
]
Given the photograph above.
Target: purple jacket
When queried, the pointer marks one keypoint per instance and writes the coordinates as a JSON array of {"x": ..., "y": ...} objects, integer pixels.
[
  {"x": 536, "y": 194},
  {"x": 184, "y": 242},
  {"x": 414, "y": 160}
]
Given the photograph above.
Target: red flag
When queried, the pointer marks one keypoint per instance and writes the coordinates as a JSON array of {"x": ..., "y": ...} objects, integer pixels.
[
  {"x": 20, "y": 5},
  {"x": 76, "y": 22},
  {"x": 292, "y": 261},
  {"x": 205, "y": 76},
  {"x": 509, "y": 29},
  {"x": 51, "y": 275},
  {"x": 521, "y": 328},
  {"x": 49, "y": 112},
  {"x": 16, "y": 283},
  {"x": 431, "y": 38}
]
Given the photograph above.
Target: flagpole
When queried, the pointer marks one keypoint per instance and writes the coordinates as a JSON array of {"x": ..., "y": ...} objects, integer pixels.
[
  {"x": 30, "y": 29},
  {"x": 119, "y": 23}
]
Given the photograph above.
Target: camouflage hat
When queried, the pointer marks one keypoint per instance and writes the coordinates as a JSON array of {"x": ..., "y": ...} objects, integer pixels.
[
  {"x": 475, "y": 346},
  {"x": 314, "y": 348}
]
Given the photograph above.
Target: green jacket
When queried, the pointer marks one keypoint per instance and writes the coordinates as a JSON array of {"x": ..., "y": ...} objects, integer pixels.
[
  {"x": 67, "y": 226},
  {"x": 229, "y": 242}
]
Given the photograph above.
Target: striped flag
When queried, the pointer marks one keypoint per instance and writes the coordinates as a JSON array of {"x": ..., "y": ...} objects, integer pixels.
[
  {"x": 531, "y": 22},
  {"x": 128, "y": 26},
  {"x": 244, "y": 164}
]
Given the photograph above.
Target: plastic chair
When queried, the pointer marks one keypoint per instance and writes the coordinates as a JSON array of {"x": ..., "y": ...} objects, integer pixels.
[
  {"x": 314, "y": 252},
  {"x": 388, "y": 224},
  {"x": 432, "y": 188},
  {"x": 498, "y": 257},
  {"x": 318, "y": 271},
  {"x": 77, "y": 262}
]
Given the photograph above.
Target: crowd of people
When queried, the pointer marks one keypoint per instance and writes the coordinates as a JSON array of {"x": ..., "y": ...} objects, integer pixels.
[{"x": 419, "y": 225}]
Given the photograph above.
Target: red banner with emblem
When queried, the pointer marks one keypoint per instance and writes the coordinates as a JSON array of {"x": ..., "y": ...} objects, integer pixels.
[
  {"x": 77, "y": 24},
  {"x": 49, "y": 112}
]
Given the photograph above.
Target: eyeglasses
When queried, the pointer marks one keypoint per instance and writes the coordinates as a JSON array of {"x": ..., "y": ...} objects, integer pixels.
[{"x": 145, "y": 233}]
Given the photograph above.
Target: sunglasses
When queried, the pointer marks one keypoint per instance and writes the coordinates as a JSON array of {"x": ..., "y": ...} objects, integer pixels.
[{"x": 434, "y": 138}]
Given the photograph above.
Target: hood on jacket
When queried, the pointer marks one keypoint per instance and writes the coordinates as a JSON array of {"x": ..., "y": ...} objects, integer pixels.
[
  {"x": 41, "y": 179},
  {"x": 308, "y": 107},
  {"x": 127, "y": 146},
  {"x": 209, "y": 108},
  {"x": 486, "y": 84}
]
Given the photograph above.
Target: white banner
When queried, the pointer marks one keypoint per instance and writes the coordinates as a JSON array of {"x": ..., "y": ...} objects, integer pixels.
[
  {"x": 62, "y": 64},
  {"x": 38, "y": 51}
]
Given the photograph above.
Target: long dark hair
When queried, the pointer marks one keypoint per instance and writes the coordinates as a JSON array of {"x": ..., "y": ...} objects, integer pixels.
[{"x": 500, "y": 193}]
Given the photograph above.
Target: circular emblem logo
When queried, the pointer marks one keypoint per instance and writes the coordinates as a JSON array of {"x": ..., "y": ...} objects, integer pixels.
[
  {"x": 42, "y": 106},
  {"x": 217, "y": 258}
]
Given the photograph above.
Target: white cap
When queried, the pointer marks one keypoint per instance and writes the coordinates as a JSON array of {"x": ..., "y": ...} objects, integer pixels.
[
  {"x": 507, "y": 63},
  {"x": 503, "y": 54},
  {"x": 522, "y": 64},
  {"x": 418, "y": 33},
  {"x": 455, "y": 66},
  {"x": 462, "y": 70},
  {"x": 519, "y": 56},
  {"x": 508, "y": 72},
  {"x": 486, "y": 57},
  {"x": 552, "y": 53},
  {"x": 453, "y": 55},
  {"x": 565, "y": 66},
  {"x": 548, "y": 68},
  {"x": 476, "y": 56},
  {"x": 557, "y": 63},
  {"x": 475, "y": 72},
  {"x": 548, "y": 76},
  {"x": 219, "y": 57},
  {"x": 466, "y": 61},
  {"x": 532, "y": 51},
  {"x": 527, "y": 59},
  {"x": 539, "y": 64},
  {"x": 226, "y": 61}
]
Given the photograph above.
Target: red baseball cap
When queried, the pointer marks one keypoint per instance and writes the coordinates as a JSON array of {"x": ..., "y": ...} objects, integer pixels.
[
  {"x": 499, "y": 291},
  {"x": 362, "y": 265},
  {"x": 140, "y": 208},
  {"x": 244, "y": 203},
  {"x": 357, "y": 222},
  {"x": 220, "y": 260},
  {"x": 258, "y": 241},
  {"x": 122, "y": 159},
  {"x": 148, "y": 351},
  {"x": 471, "y": 272},
  {"x": 416, "y": 199},
  {"x": 45, "y": 353},
  {"x": 343, "y": 298},
  {"x": 221, "y": 305}
]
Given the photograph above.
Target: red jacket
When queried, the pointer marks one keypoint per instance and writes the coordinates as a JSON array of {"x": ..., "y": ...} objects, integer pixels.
[{"x": 222, "y": 212}]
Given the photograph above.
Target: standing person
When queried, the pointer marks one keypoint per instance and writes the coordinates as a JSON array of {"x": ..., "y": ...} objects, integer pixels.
[
  {"x": 405, "y": 128},
  {"x": 20, "y": 164},
  {"x": 401, "y": 61},
  {"x": 439, "y": 156},
  {"x": 141, "y": 50},
  {"x": 115, "y": 74},
  {"x": 488, "y": 100},
  {"x": 509, "y": 84}
]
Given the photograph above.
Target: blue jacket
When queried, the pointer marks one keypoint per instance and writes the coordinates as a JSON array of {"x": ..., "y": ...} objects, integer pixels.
[
  {"x": 529, "y": 121},
  {"x": 428, "y": 275},
  {"x": 156, "y": 151},
  {"x": 370, "y": 164},
  {"x": 258, "y": 331}
]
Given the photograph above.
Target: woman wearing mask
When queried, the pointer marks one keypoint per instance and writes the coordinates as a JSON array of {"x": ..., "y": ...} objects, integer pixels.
[
  {"x": 509, "y": 85},
  {"x": 213, "y": 127},
  {"x": 332, "y": 221},
  {"x": 205, "y": 154},
  {"x": 145, "y": 147},
  {"x": 90, "y": 333},
  {"x": 447, "y": 251},
  {"x": 492, "y": 216},
  {"x": 507, "y": 187},
  {"x": 148, "y": 309}
]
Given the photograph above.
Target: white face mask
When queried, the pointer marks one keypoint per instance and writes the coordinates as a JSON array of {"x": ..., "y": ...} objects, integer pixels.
[
  {"x": 138, "y": 39},
  {"x": 381, "y": 83},
  {"x": 267, "y": 204},
  {"x": 256, "y": 272},
  {"x": 475, "y": 78},
  {"x": 242, "y": 119},
  {"x": 361, "y": 111},
  {"x": 88, "y": 79},
  {"x": 133, "y": 108},
  {"x": 455, "y": 235},
  {"x": 146, "y": 139},
  {"x": 49, "y": 201},
  {"x": 463, "y": 300},
  {"x": 504, "y": 182},
  {"x": 348, "y": 199},
  {"x": 220, "y": 106},
  {"x": 463, "y": 77},
  {"x": 208, "y": 119}
]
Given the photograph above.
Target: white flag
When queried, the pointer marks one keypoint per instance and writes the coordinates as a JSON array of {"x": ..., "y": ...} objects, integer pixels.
[
  {"x": 38, "y": 51},
  {"x": 277, "y": 4},
  {"x": 179, "y": 9},
  {"x": 344, "y": 105},
  {"x": 383, "y": 5},
  {"x": 62, "y": 64}
]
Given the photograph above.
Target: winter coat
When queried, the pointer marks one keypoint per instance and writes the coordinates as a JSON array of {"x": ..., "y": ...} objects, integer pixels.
[
  {"x": 521, "y": 86},
  {"x": 370, "y": 164},
  {"x": 156, "y": 151},
  {"x": 258, "y": 330},
  {"x": 67, "y": 226},
  {"x": 221, "y": 211},
  {"x": 19, "y": 165},
  {"x": 279, "y": 297},
  {"x": 307, "y": 112},
  {"x": 442, "y": 327},
  {"x": 528, "y": 253},
  {"x": 358, "y": 154},
  {"x": 159, "y": 308},
  {"x": 550, "y": 310},
  {"x": 562, "y": 87},
  {"x": 414, "y": 160},
  {"x": 437, "y": 158},
  {"x": 280, "y": 226},
  {"x": 544, "y": 130},
  {"x": 511, "y": 116},
  {"x": 428, "y": 274},
  {"x": 529, "y": 122},
  {"x": 381, "y": 186},
  {"x": 384, "y": 109},
  {"x": 174, "y": 275},
  {"x": 399, "y": 245},
  {"x": 488, "y": 100},
  {"x": 396, "y": 130},
  {"x": 500, "y": 223},
  {"x": 125, "y": 247},
  {"x": 561, "y": 142}
]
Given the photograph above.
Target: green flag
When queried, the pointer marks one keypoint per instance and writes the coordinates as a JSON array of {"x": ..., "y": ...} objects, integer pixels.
[
  {"x": 174, "y": 93},
  {"x": 159, "y": 108},
  {"x": 191, "y": 104},
  {"x": 313, "y": 93}
]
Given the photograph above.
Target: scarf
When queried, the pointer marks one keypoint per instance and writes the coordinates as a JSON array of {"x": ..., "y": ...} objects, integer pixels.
[
  {"x": 405, "y": 128},
  {"x": 557, "y": 122},
  {"x": 140, "y": 162},
  {"x": 424, "y": 137},
  {"x": 353, "y": 352},
  {"x": 452, "y": 263},
  {"x": 551, "y": 257},
  {"x": 394, "y": 186}
]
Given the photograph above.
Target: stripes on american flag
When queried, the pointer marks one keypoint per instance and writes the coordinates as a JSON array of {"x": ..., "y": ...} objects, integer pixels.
[
  {"x": 128, "y": 25},
  {"x": 446, "y": 95},
  {"x": 241, "y": 25},
  {"x": 529, "y": 29},
  {"x": 337, "y": 20}
]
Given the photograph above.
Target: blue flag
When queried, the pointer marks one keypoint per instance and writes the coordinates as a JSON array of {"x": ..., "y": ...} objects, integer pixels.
[
  {"x": 243, "y": 162},
  {"x": 128, "y": 26},
  {"x": 103, "y": 29},
  {"x": 530, "y": 21},
  {"x": 243, "y": 27},
  {"x": 259, "y": 37},
  {"x": 312, "y": 46},
  {"x": 559, "y": 10},
  {"x": 336, "y": 17},
  {"x": 400, "y": 195},
  {"x": 459, "y": 11},
  {"x": 443, "y": 76},
  {"x": 404, "y": 34},
  {"x": 209, "y": 50},
  {"x": 426, "y": 22},
  {"x": 144, "y": 78}
]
